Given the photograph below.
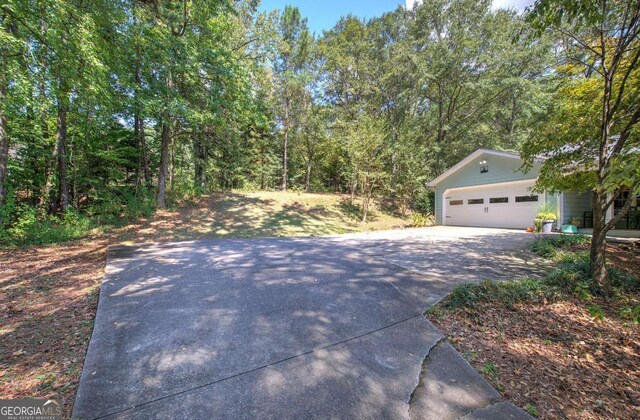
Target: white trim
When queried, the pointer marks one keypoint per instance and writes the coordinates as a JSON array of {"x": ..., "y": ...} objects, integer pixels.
[
  {"x": 497, "y": 184},
  {"x": 444, "y": 206},
  {"x": 468, "y": 159}
]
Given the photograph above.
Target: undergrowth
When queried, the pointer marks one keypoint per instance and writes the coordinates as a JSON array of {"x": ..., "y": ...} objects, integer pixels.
[
  {"x": 571, "y": 277},
  {"x": 24, "y": 224}
]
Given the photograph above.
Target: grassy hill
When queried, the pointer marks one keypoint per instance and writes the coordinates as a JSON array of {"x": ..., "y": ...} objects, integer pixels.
[{"x": 259, "y": 214}]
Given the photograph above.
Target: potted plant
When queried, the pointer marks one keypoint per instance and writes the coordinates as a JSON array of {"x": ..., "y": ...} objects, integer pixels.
[
  {"x": 545, "y": 218},
  {"x": 575, "y": 221}
]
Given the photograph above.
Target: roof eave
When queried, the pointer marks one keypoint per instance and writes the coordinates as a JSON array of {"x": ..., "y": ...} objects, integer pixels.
[{"x": 468, "y": 159}]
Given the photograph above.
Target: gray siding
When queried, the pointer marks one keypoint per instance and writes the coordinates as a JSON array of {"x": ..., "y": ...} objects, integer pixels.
[
  {"x": 575, "y": 204},
  {"x": 501, "y": 169}
]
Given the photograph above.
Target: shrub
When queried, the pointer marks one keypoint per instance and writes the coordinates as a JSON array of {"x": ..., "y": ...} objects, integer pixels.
[
  {"x": 570, "y": 277},
  {"x": 8, "y": 209},
  {"x": 423, "y": 202},
  {"x": 422, "y": 220},
  {"x": 31, "y": 228},
  {"x": 549, "y": 246},
  {"x": 506, "y": 293}
]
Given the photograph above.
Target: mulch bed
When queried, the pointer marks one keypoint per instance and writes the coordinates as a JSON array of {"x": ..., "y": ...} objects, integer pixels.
[
  {"x": 48, "y": 300},
  {"x": 554, "y": 358}
]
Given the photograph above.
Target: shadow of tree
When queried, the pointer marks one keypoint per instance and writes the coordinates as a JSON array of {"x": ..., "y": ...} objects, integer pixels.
[{"x": 174, "y": 316}]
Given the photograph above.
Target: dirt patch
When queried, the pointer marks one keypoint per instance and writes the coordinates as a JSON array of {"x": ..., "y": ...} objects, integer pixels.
[
  {"x": 49, "y": 294},
  {"x": 557, "y": 360}
]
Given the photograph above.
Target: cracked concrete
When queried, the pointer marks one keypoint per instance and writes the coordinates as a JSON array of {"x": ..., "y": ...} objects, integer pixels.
[
  {"x": 450, "y": 387},
  {"x": 415, "y": 395},
  {"x": 282, "y": 328}
]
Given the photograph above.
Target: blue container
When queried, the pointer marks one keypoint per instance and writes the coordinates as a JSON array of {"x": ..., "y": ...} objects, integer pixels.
[{"x": 569, "y": 229}]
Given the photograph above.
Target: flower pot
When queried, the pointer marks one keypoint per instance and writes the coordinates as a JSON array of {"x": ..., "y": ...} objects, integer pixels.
[{"x": 547, "y": 226}]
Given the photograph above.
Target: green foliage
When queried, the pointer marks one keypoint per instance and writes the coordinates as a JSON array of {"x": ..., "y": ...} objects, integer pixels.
[
  {"x": 546, "y": 216},
  {"x": 571, "y": 277},
  {"x": 422, "y": 220},
  {"x": 584, "y": 148},
  {"x": 547, "y": 211},
  {"x": 507, "y": 293},
  {"x": 551, "y": 246},
  {"x": 490, "y": 369},
  {"x": 30, "y": 228},
  {"x": 537, "y": 225},
  {"x": 632, "y": 313},
  {"x": 595, "y": 312},
  {"x": 7, "y": 209},
  {"x": 424, "y": 202},
  {"x": 203, "y": 94},
  {"x": 531, "y": 409}
]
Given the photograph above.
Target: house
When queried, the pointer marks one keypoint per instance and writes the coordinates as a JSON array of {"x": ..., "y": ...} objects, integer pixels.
[{"x": 489, "y": 188}]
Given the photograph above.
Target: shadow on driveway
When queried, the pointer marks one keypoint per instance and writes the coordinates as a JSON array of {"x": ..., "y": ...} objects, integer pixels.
[{"x": 277, "y": 327}]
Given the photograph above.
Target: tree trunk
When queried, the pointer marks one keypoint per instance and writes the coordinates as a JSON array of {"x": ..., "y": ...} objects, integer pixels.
[
  {"x": 61, "y": 138},
  {"x": 142, "y": 169},
  {"x": 367, "y": 198},
  {"x": 199, "y": 163},
  {"x": 136, "y": 138},
  {"x": 286, "y": 145},
  {"x": 4, "y": 145},
  {"x": 172, "y": 166},
  {"x": 164, "y": 164},
  {"x": 307, "y": 178},
  {"x": 599, "y": 243},
  {"x": 141, "y": 140},
  {"x": 4, "y": 135},
  {"x": 47, "y": 198},
  {"x": 354, "y": 186},
  {"x": 45, "y": 194}
]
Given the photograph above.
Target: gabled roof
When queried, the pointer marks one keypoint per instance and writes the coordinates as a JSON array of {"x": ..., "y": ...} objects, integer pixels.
[{"x": 468, "y": 159}]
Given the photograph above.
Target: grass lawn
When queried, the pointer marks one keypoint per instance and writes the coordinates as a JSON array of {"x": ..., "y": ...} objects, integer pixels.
[
  {"x": 555, "y": 347},
  {"x": 49, "y": 293}
]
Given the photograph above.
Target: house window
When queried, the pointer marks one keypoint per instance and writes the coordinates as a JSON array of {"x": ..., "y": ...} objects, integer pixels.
[
  {"x": 475, "y": 201},
  {"x": 526, "y": 198},
  {"x": 455, "y": 202},
  {"x": 495, "y": 200}
]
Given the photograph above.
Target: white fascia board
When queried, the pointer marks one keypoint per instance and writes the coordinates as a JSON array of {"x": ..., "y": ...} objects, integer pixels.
[{"x": 468, "y": 159}]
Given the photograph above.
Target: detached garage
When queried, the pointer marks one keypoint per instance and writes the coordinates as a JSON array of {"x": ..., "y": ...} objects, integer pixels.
[{"x": 488, "y": 189}]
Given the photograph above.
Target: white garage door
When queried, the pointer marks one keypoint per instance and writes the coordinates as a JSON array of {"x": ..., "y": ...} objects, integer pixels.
[{"x": 500, "y": 206}]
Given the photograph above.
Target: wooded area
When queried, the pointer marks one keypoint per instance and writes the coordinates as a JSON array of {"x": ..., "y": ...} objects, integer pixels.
[
  {"x": 110, "y": 106},
  {"x": 115, "y": 108}
]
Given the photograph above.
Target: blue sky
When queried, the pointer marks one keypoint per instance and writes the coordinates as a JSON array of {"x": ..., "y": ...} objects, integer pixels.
[{"x": 323, "y": 14}]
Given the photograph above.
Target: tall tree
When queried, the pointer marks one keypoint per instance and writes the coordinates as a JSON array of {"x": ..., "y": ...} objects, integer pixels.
[
  {"x": 591, "y": 141},
  {"x": 7, "y": 51},
  {"x": 291, "y": 59}
]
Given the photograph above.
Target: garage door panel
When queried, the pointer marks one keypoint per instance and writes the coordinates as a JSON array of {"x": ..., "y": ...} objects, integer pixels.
[{"x": 505, "y": 206}]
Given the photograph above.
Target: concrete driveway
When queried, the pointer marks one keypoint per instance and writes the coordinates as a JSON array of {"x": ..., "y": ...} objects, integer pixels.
[{"x": 326, "y": 327}]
